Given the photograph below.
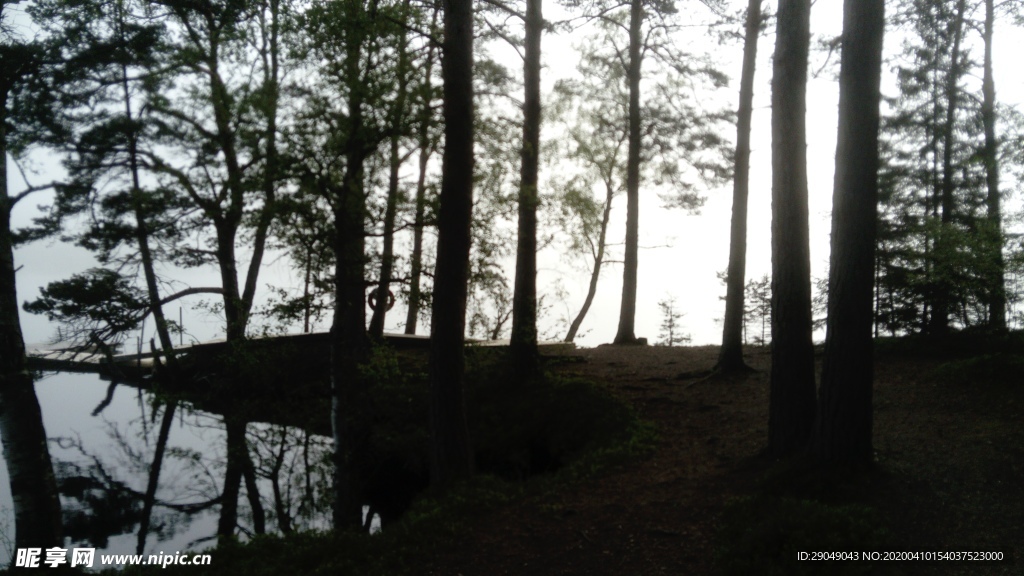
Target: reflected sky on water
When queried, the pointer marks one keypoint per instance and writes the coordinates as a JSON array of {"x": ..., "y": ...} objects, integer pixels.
[{"x": 102, "y": 463}]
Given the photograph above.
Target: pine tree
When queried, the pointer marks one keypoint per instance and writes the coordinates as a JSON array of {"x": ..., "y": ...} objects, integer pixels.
[
  {"x": 843, "y": 430},
  {"x": 792, "y": 402},
  {"x": 37, "y": 515},
  {"x": 451, "y": 452},
  {"x": 731, "y": 356}
]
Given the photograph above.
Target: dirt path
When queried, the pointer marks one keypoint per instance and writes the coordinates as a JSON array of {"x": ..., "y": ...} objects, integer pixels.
[{"x": 953, "y": 459}]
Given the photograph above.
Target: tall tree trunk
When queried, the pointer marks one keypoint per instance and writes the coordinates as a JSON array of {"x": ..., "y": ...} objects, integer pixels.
[
  {"x": 843, "y": 430},
  {"x": 595, "y": 273},
  {"x": 731, "y": 356},
  {"x": 452, "y": 457},
  {"x": 37, "y": 516},
  {"x": 523, "y": 345},
  {"x": 395, "y": 163},
  {"x": 426, "y": 150},
  {"x": 627, "y": 312},
  {"x": 349, "y": 346},
  {"x": 792, "y": 403},
  {"x": 945, "y": 267},
  {"x": 997, "y": 288},
  {"x": 153, "y": 294},
  {"x": 238, "y": 298},
  {"x": 416, "y": 265}
]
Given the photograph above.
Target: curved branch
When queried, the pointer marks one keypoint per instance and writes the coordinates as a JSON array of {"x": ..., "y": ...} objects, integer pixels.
[{"x": 190, "y": 292}]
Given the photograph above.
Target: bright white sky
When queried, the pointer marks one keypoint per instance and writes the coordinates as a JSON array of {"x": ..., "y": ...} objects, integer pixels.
[{"x": 697, "y": 245}]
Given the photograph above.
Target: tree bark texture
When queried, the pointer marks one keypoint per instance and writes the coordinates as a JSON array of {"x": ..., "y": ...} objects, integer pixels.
[
  {"x": 451, "y": 452},
  {"x": 626, "y": 333},
  {"x": 792, "y": 403},
  {"x": 843, "y": 429},
  {"x": 523, "y": 345},
  {"x": 731, "y": 355}
]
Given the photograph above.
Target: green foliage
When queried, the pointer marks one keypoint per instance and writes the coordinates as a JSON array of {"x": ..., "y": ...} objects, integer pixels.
[
  {"x": 762, "y": 535},
  {"x": 97, "y": 303},
  {"x": 938, "y": 253}
]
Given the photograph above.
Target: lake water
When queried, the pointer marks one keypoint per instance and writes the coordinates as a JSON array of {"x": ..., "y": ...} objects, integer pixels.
[{"x": 102, "y": 454}]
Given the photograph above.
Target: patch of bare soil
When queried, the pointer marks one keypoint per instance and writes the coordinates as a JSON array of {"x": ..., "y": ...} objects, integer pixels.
[{"x": 950, "y": 462}]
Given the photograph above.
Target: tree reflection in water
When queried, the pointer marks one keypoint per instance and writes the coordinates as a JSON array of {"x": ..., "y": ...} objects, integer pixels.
[{"x": 105, "y": 484}]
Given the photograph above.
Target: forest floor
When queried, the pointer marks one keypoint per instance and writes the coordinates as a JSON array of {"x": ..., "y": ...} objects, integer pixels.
[{"x": 948, "y": 477}]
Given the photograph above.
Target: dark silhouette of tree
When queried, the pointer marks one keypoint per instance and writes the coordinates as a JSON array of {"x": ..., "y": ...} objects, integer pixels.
[
  {"x": 233, "y": 180},
  {"x": 731, "y": 356},
  {"x": 451, "y": 455},
  {"x": 397, "y": 122},
  {"x": 107, "y": 48},
  {"x": 843, "y": 430},
  {"x": 523, "y": 344},
  {"x": 792, "y": 403},
  {"x": 347, "y": 27},
  {"x": 37, "y": 515},
  {"x": 427, "y": 142}
]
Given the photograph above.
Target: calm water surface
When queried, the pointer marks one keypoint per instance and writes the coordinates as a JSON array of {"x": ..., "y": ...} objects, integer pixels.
[{"x": 102, "y": 455}]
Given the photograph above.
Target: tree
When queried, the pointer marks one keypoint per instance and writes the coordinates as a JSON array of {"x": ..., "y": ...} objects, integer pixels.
[
  {"x": 37, "y": 515},
  {"x": 670, "y": 325},
  {"x": 943, "y": 244},
  {"x": 996, "y": 281},
  {"x": 223, "y": 126},
  {"x": 451, "y": 456},
  {"x": 523, "y": 344},
  {"x": 427, "y": 140},
  {"x": 397, "y": 120},
  {"x": 842, "y": 433},
  {"x": 427, "y": 145},
  {"x": 344, "y": 27},
  {"x": 587, "y": 219},
  {"x": 730, "y": 357},
  {"x": 627, "y": 310},
  {"x": 681, "y": 143},
  {"x": 939, "y": 244},
  {"x": 359, "y": 61},
  {"x": 792, "y": 402}
]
